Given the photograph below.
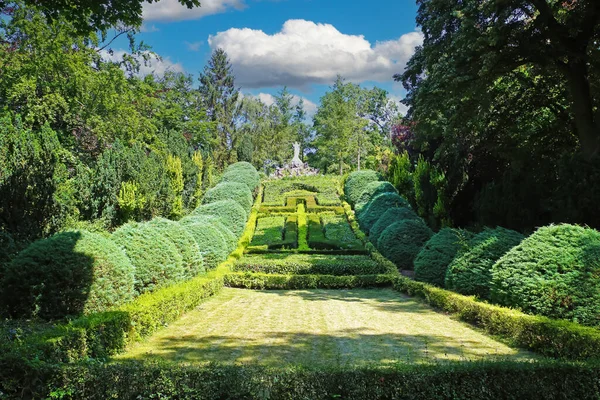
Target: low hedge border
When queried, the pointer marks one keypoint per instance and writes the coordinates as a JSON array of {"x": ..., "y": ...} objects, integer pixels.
[
  {"x": 554, "y": 338},
  {"x": 248, "y": 280},
  {"x": 263, "y": 250}
]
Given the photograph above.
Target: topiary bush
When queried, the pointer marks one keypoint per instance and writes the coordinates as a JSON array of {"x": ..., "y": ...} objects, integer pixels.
[
  {"x": 356, "y": 182},
  {"x": 68, "y": 274},
  {"x": 241, "y": 165},
  {"x": 230, "y": 239},
  {"x": 432, "y": 261},
  {"x": 193, "y": 263},
  {"x": 377, "y": 207},
  {"x": 229, "y": 212},
  {"x": 210, "y": 240},
  {"x": 371, "y": 190},
  {"x": 554, "y": 272},
  {"x": 401, "y": 241},
  {"x": 230, "y": 191},
  {"x": 392, "y": 215},
  {"x": 470, "y": 272},
  {"x": 156, "y": 259},
  {"x": 247, "y": 177}
]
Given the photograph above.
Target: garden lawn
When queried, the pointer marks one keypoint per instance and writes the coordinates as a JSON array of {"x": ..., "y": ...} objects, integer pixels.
[{"x": 317, "y": 328}]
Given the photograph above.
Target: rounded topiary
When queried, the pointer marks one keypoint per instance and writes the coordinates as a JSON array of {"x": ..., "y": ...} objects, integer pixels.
[
  {"x": 229, "y": 212},
  {"x": 193, "y": 263},
  {"x": 371, "y": 190},
  {"x": 470, "y": 272},
  {"x": 554, "y": 272},
  {"x": 249, "y": 178},
  {"x": 356, "y": 182},
  {"x": 392, "y": 215},
  {"x": 401, "y": 241},
  {"x": 211, "y": 243},
  {"x": 228, "y": 236},
  {"x": 68, "y": 274},
  {"x": 156, "y": 259},
  {"x": 432, "y": 261},
  {"x": 230, "y": 191},
  {"x": 377, "y": 207},
  {"x": 240, "y": 165}
]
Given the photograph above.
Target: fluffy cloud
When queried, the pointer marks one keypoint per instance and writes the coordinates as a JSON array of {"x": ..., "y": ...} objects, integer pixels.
[
  {"x": 269, "y": 99},
  {"x": 194, "y": 46},
  {"x": 172, "y": 10},
  {"x": 154, "y": 66},
  {"x": 304, "y": 52}
]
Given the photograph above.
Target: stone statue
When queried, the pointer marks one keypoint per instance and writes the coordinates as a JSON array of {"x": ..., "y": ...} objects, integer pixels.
[
  {"x": 295, "y": 168},
  {"x": 296, "y": 161}
]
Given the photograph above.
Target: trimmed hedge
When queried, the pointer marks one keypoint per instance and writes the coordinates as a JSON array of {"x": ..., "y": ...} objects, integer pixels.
[
  {"x": 554, "y": 272},
  {"x": 356, "y": 182},
  {"x": 193, "y": 262},
  {"x": 432, "y": 261},
  {"x": 230, "y": 191},
  {"x": 240, "y": 165},
  {"x": 156, "y": 260},
  {"x": 229, "y": 212},
  {"x": 402, "y": 241},
  {"x": 309, "y": 264},
  {"x": 377, "y": 207},
  {"x": 210, "y": 240},
  {"x": 230, "y": 239},
  {"x": 68, "y": 274},
  {"x": 392, "y": 215},
  {"x": 470, "y": 272},
  {"x": 248, "y": 177},
  {"x": 261, "y": 281},
  {"x": 371, "y": 190}
]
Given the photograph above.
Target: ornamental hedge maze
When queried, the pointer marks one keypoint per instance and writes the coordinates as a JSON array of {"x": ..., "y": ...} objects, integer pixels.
[{"x": 303, "y": 288}]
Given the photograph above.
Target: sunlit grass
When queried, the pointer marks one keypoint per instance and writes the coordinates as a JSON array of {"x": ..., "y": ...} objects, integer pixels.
[{"x": 318, "y": 327}]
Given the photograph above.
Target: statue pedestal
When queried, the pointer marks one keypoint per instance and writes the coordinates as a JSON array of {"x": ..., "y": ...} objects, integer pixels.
[{"x": 296, "y": 167}]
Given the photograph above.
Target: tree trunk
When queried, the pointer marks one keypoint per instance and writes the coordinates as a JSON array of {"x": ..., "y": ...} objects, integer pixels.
[{"x": 358, "y": 159}]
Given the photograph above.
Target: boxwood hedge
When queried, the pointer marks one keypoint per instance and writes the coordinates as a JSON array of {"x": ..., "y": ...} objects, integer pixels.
[
  {"x": 377, "y": 207},
  {"x": 432, "y": 261},
  {"x": 156, "y": 259},
  {"x": 67, "y": 274},
  {"x": 371, "y": 190},
  {"x": 356, "y": 182},
  {"x": 554, "y": 272},
  {"x": 230, "y": 191},
  {"x": 229, "y": 212},
  {"x": 470, "y": 272},
  {"x": 401, "y": 241},
  {"x": 210, "y": 240},
  {"x": 392, "y": 215}
]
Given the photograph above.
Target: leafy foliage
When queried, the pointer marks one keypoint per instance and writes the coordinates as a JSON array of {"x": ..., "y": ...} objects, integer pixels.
[
  {"x": 554, "y": 272},
  {"x": 372, "y": 189},
  {"x": 282, "y": 263},
  {"x": 229, "y": 237},
  {"x": 230, "y": 191},
  {"x": 377, "y": 207},
  {"x": 249, "y": 178},
  {"x": 210, "y": 240},
  {"x": 401, "y": 241},
  {"x": 392, "y": 215},
  {"x": 229, "y": 212},
  {"x": 355, "y": 184}
]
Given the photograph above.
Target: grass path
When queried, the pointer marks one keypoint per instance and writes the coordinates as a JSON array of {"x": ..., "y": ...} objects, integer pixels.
[{"x": 317, "y": 327}]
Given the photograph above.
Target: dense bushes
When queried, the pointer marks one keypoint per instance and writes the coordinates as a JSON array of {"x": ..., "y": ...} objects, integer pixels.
[
  {"x": 230, "y": 191},
  {"x": 371, "y": 190},
  {"x": 228, "y": 236},
  {"x": 389, "y": 217},
  {"x": 309, "y": 264},
  {"x": 402, "y": 241},
  {"x": 356, "y": 182},
  {"x": 67, "y": 274},
  {"x": 377, "y": 207},
  {"x": 248, "y": 177},
  {"x": 432, "y": 261},
  {"x": 554, "y": 272},
  {"x": 229, "y": 212},
  {"x": 471, "y": 272},
  {"x": 210, "y": 240},
  {"x": 262, "y": 281}
]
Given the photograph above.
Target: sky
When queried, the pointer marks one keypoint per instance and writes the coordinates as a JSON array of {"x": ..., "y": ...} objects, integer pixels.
[{"x": 301, "y": 44}]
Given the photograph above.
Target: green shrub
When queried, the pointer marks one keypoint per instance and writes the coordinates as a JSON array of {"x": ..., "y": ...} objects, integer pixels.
[
  {"x": 305, "y": 264},
  {"x": 337, "y": 229},
  {"x": 230, "y": 239},
  {"x": 67, "y": 274},
  {"x": 261, "y": 281},
  {"x": 247, "y": 177},
  {"x": 402, "y": 241},
  {"x": 554, "y": 272},
  {"x": 269, "y": 231},
  {"x": 377, "y": 207},
  {"x": 356, "y": 182},
  {"x": 229, "y": 212},
  {"x": 432, "y": 261},
  {"x": 371, "y": 190},
  {"x": 390, "y": 216},
  {"x": 230, "y": 191},
  {"x": 193, "y": 263},
  {"x": 471, "y": 271},
  {"x": 210, "y": 240},
  {"x": 156, "y": 259},
  {"x": 241, "y": 165}
]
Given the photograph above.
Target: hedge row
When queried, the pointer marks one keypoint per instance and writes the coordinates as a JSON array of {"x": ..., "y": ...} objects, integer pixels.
[
  {"x": 309, "y": 264},
  {"x": 262, "y": 281}
]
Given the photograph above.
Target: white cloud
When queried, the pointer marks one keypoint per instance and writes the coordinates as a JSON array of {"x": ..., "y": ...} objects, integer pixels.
[
  {"x": 154, "y": 66},
  {"x": 194, "y": 46},
  {"x": 401, "y": 107},
  {"x": 149, "y": 28},
  {"x": 269, "y": 99},
  {"x": 304, "y": 52},
  {"x": 172, "y": 10}
]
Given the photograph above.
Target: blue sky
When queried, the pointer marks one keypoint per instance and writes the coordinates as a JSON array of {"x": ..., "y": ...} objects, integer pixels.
[{"x": 299, "y": 43}]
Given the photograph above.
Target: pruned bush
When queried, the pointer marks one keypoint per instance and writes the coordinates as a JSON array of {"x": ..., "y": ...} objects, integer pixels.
[
  {"x": 230, "y": 239},
  {"x": 371, "y": 190},
  {"x": 356, "y": 182},
  {"x": 247, "y": 177},
  {"x": 470, "y": 272},
  {"x": 229, "y": 212},
  {"x": 392, "y": 215},
  {"x": 241, "y": 165},
  {"x": 67, "y": 274},
  {"x": 401, "y": 241},
  {"x": 156, "y": 259},
  {"x": 432, "y": 261},
  {"x": 193, "y": 262},
  {"x": 554, "y": 272},
  {"x": 377, "y": 207},
  {"x": 230, "y": 191},
  {"x": 210, "y": 240}
]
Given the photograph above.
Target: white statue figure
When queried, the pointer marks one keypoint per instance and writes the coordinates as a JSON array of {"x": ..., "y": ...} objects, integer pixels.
[{"x": 296, "y": 161}]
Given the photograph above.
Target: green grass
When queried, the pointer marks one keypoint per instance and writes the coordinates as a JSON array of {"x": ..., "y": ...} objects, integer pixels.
[{"x": 317, "y": 328}]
